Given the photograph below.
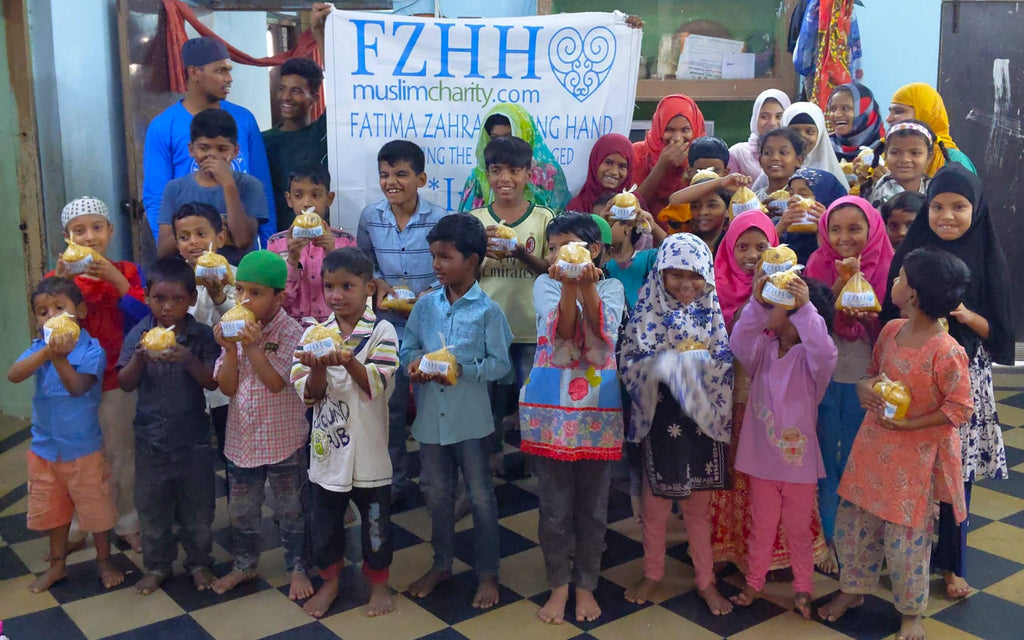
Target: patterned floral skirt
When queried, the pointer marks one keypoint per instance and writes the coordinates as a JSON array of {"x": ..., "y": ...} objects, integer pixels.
[
  {"x": 981, "y": 438},
  {"x": 678, "y": 457}
]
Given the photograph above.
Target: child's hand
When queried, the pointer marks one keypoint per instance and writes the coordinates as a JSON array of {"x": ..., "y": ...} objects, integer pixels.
[
  {"x": 674, "y": 155},
  {"x": 870, "y": 400},
  {"x": 308, "y": 360},
  {"x": 218, "y": 169},
  {"x": 734, "y": 181},
  {"x": 635, "y": 21},
  {"x": 801, "y": 294},
  {"x": 383, "y": 290},
  {"x": 105, "y": 270},
  {"x": 555, "y": 273},
  {"x": 847, "y": 267},
  {"x": 250, "y": 334},
  {"x": 325, "y": 241},
  {"x": 60, "y": 346},
  {"x": 62, "y": 270},
  {"x": 892, "y": 425},
  {"x": 214, "y": 287},
  {"x": 792, "y": 215},
  {"x": 591, "y": 275},
  {"x": 295, "y": 247},
  {"x": 963, "y": 314},
  {"x": 218, "y": 336},
  {"x": 759, "y": 282},
  {"x": 177, "y": 353}
]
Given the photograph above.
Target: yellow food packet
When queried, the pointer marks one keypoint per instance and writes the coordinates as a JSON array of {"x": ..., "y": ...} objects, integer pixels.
[
  {"x": 77, "y": 258},
  {"x": 703, "y": 176},
  {"x": 777, "y": 259},
  {"x": 320, "y": 340},
  {"x": 744, "y": 200},
  {"x": 896, "y": 396},
  {"x": 775, "y": 291},
  {"x": 234, "y": 319},
  {"x": 308, "y": 224},
  {"x": 505, "y": 238},
  {"x": 213, "y": 265},
  {"x": 625, "y": 206},
  {"x": 573, "y": 257},
  {"x": 809, "y": 224},
  {"x": 157, "y": 340},
  {"x": 63, "y": 324},
  {"x": 857, "y": 295},
  {"x": 441, "y": 362}
]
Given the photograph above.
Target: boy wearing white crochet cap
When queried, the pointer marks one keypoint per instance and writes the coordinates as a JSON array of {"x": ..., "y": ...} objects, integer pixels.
[{"x": 114, "y": 298}]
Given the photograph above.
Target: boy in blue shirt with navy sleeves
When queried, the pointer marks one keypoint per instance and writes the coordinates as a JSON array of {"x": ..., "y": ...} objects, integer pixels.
[
  {"x": 67, "y": 472},
  {"x": 453, "y": 421}
]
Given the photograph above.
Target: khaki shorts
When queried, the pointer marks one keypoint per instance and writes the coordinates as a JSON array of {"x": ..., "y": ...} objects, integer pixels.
[{"x": 56, "y": 490}]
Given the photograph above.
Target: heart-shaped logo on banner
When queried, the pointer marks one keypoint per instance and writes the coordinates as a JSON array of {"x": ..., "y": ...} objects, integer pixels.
[{"x": 582, "y": 62}]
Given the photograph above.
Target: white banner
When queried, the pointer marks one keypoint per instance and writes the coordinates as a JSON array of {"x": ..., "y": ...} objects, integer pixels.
[{"x": 432, "y": 81}]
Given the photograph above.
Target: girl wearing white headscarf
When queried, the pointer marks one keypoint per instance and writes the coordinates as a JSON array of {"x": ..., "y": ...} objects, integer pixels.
[
  {"x": 768, "y": 109},
  {"x": 820, "y": 155}
]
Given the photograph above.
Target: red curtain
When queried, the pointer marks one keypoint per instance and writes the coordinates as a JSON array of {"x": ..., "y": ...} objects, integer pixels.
[{"x": 177, "y": 13}]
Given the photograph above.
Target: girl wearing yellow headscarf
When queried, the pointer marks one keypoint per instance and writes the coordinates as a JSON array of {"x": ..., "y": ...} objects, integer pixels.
[{"x": 920, "y": 101}]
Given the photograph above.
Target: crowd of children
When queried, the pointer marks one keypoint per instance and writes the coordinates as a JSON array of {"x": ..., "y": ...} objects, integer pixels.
[{"x": 755, "y": 404}]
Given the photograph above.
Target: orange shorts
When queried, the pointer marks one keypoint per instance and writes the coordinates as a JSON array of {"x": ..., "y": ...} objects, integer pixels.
[{"x": 56, "y": 490}]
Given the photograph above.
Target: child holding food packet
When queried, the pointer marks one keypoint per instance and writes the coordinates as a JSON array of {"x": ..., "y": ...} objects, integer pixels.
[
  {"x": 778, "y": 446},
  {"x": 67, "y": 471},
  {"x": 852, "y": 245},
  {"x": 677, "y": 365},
  {"x": 114, "y": 296},
  {"x": 168, "y": 357},
  {"x": 571, "y": 411},
  {"x": 267, "y": 430},
  {"x": 898, "y": 466},
  {"x": 344, "y": 368}
]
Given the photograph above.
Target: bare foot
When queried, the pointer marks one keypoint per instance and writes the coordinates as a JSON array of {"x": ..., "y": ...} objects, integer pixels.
[
  {"x": 637, "y": 507},
  {"x": 380, "y": 600},
  {"x": 149, "y": 583},
  {"x": 830, "y": 564},
  {"x": 587, "y": 609},
  {"x": 301, "y": 588},
  {"x": 838, "y": 606},
  {"x": 426, "y": 583},
  {"x": 641, "y": 592},
  {"x": 134, "y": 541},
  {"x": 553, "y": 611},
  {"x": 110, "y": 575},
  {"x": 51, "y": 576},
  {"x": 230, "y": 581},
  {"x": 911, "y": 629},
  {"x": 956, "y": 587},
  {"x": 802, "y": 602},
  {"x": 72, "y": 546},
  {"x": 486, "y": 593},
  {"x": 203, "y": 578},
  {"x": 322, "y": 600},
  {"x": 715, "y": 600},
  {"x": 745, "y": 597}
]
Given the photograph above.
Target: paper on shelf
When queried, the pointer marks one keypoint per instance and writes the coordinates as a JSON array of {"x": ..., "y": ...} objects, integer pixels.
[
  {"x": 738, "y": 66},
  {"x": 702, "y": 56}
]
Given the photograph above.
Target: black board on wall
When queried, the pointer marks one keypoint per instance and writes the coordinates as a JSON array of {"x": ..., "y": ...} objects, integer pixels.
[{"x": 981, "y": 79}]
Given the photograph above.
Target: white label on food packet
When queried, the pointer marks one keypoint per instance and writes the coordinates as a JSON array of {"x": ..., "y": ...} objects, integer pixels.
[
  {"x": 319, "y": 348},
  {"x": 771, "y": 268},
  {"x": 697, "y": 354},
  {"x": 890, "y": 411},
  {"x": 623, "y": 213},
  {"x": 212, "y": 272},
  {"x": 570, "y": 269},
  {"x": 504, "y": 244},
  {"x": 739, "y": 208},
  {"x": 306, "y": 232},
  {"x": 47, "y": 332},
  {"x": 778, "y": 206},
  {"x": 78, "y": 266},
  {"x": 231, "y": 328},
  {"x": 402, "y": 293},
  {"x": 858, "y": 299},
  {"x": 771, "y": 293},
  {"x": 429, "y": 366}
]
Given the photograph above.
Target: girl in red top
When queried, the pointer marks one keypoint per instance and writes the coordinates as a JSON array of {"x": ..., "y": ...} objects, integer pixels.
[
  {"x": 114, "y": 298},
  {"x": 659, "y": 161}
]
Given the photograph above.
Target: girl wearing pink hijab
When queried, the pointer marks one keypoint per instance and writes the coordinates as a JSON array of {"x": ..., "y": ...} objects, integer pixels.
[{"x": 851, "y": 234}]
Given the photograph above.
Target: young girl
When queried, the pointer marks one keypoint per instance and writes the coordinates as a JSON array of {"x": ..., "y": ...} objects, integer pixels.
[
  {"x": 897, "y": 467},
  {"x": 909, "y": 149},
  {"x": 748, "y": 236},
  {"x": 610, "y": 171},
  {"x": 782, "y": 153},
  {"x": 825, "y": 189},
  {"x": 899, "y": 212},
  {"x": 709, "y": 205},
  {"x": 571, "y": 416},
  {"x": 921, "y": 101},
  {"x": 767, "y": 115},
  {"x": 778, "y": 448},
  {"x": 852, "y": 236},
  {"x": 856, "y": 120},
  {"x": 660, "y": 158},
  {"x": 682, "y": 406},
  {"x": 956, "y": 219},
  {"x": 628, "y": 262},
  {"x": 807, "y": 119}
]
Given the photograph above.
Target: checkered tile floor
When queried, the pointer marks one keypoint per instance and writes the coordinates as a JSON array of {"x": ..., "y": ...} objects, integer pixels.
[{"x": 78, "y": 607}]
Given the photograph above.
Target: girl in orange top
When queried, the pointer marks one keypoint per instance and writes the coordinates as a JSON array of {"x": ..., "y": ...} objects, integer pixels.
[
  {"x": 898, "y": 467},
  {"x": 660, "y": 159}
]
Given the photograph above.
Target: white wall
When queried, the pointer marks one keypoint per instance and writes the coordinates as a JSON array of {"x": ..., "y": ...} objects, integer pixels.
[{"x": 901, "y": 44}]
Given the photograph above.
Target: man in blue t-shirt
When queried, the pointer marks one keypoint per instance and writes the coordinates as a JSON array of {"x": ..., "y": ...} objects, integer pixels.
[{"x": 166, "y": 154}]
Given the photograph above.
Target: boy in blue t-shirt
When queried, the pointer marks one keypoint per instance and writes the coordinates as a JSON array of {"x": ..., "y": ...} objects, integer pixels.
[
  {"x": 238, "y": 197},
  {"x": 67, "y": 472}
]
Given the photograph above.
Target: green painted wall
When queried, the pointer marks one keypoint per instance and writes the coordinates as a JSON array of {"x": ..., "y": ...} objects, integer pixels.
[{"x": 14, "y": 331}]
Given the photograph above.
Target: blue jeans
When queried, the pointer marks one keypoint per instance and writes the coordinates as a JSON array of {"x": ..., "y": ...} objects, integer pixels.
[
  {"x": 839, "y": 418},
  {"x": 398, "y": 406},
  {"x": 440, "y": 465},
  {"x": 287, "y": 481}
]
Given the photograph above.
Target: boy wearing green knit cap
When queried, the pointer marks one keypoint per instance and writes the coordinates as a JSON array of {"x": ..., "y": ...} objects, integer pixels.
[{"x": 267, "y": 430}]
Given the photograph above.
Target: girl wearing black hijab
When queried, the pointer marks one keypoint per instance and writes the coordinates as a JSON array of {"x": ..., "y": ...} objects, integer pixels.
[{"x": 956, "y": 218}]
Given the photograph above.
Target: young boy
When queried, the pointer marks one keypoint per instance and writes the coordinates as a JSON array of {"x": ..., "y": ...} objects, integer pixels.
[
  {"x": 899, "y": 212},
  {"x": 238, "y": 197},
  {"x": 349, "y": 389},
  {"x": 66, "y": 469},
  {"x": 308, "y": 187},
  {"x": 267, "y": 429},
  {"x": 507, "y": 276},
  {"x": 393, "y": 232},
  {"x": 707, "y": 152},
  {"x": 114, "y": 296},
  {"x": 198, "y": 227},
  {"x": 173, "y": 465},
  {"x": 453, "y": 423}
]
